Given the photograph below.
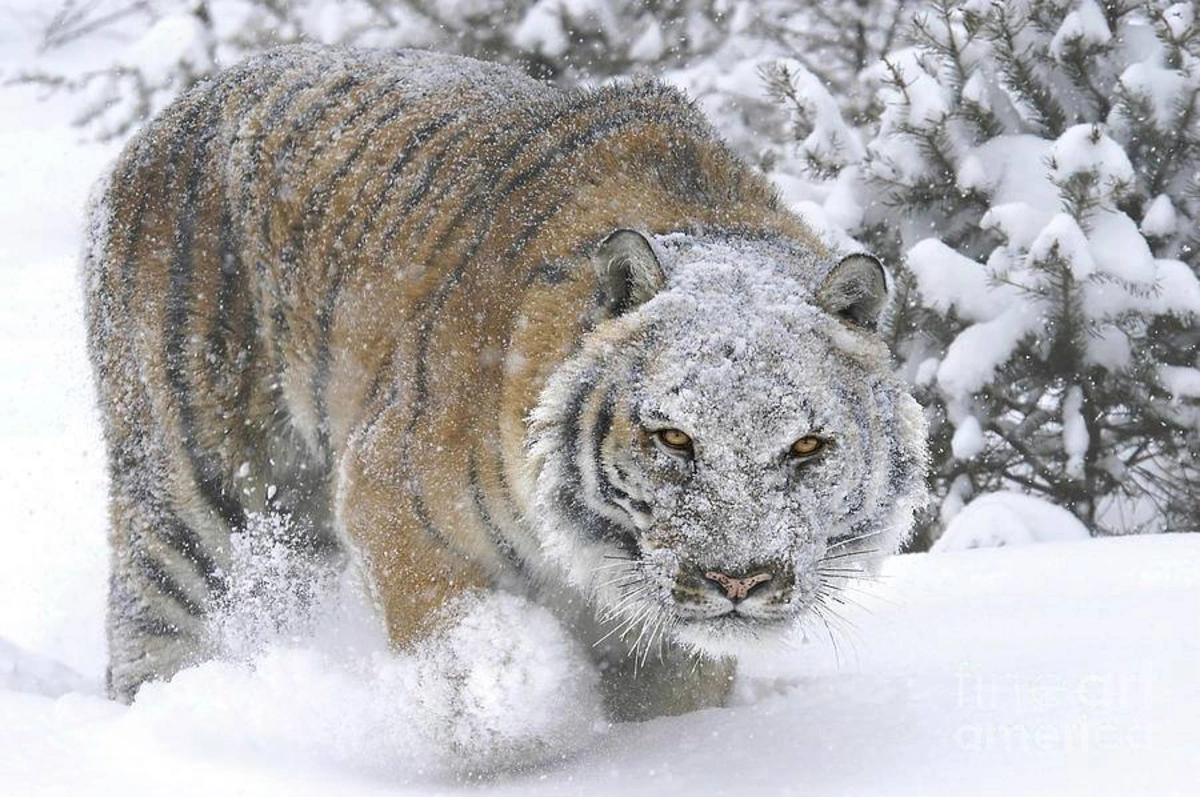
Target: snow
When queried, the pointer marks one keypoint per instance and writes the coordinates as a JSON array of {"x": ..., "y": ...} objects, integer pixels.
[
  {"x": 1085, "y": 28},
  {"x": 948, "y": 280},
  {"x": 1179, "y": 18},
  {"x": 1063, "y": 239},
  {"x": 971, "y": 175},
  {"x": 22, "y": 671},
  {"x": 1181, "y": 382},
  {"x": 1015, "y": 166},
  {"x": 1160, "y": 218},
  {"x": 968, "y": 438},
  {"x": 1075, "y": 433},
  {"x": 1119, "y": 249},
  {"x": 841, "y": 205},
  {"x": 174, "y": 40},
  {"x": 1018, "y": 222},
  {"x": 1178, "y": 289},
  {"x": 972, "y": 359},
  {"x": 649, "y": 46},
  {"x": 1163, "y": 87},
  {"x": 1054, "y": 669},
  {"x": 831, "y": 140},
  {"x": 926, "y": 371},
  {"x": 996, "y": 520},
  {"x": 1086, "y": 149},
  {"x": 1104, "y": 250},
  {"x": 505, "y": 687},
  {"x": 541, "y": 31}
]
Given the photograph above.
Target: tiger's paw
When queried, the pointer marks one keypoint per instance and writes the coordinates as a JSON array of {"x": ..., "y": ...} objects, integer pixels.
[{"x": 504, "y": 686}]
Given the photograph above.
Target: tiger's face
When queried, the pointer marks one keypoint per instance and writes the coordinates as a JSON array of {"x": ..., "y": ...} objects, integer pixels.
[{"x": 721, "y": 459}]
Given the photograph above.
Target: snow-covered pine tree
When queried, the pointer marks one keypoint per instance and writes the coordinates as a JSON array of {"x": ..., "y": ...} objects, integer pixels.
[
  {"x": 835, "y": 41},
  {"x": 1034, "y": 177}
]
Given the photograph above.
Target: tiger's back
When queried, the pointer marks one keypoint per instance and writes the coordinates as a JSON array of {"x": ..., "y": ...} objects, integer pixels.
[{"x": 325, "y": 274}]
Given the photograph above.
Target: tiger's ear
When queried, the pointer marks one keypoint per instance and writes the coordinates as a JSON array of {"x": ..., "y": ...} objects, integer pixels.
[
  {"x": 627, "y": 270},
  {"x": 855, "y": 290}
]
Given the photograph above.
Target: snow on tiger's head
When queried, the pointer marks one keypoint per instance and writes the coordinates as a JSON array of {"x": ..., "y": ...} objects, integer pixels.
[{"x": 729, "y": 444}]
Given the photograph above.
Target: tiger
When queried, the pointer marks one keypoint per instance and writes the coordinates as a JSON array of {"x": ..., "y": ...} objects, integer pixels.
[{"x": 474, "y": 334}]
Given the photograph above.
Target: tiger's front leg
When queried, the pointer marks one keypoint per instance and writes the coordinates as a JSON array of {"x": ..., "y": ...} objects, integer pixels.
[
  {"x": 499, "y": 681},
  {"x": 411, "y": 570}
]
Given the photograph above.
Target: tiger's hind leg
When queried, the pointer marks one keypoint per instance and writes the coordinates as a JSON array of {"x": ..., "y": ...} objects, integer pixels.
[{"x": 163, "y": 584}]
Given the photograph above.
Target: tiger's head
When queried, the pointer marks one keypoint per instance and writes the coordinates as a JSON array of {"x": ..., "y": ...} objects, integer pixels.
[{"x": 728, "y": 447}]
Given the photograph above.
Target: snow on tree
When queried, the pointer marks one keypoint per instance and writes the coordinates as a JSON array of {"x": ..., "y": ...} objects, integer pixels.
[
  {"x": 175, "y": 43},
  {"x": 834, "y": 41},
  {"x": 1034, "y": 177}
]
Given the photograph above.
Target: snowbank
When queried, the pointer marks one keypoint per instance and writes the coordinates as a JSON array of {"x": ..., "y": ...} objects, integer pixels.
[{"x": 995, "y": 520}]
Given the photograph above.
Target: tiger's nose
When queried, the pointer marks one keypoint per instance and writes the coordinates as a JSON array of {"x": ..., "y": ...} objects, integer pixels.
[{"x": 737, "y": 589}]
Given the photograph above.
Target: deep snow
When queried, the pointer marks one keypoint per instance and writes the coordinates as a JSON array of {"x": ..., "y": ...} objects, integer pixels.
[{"x": 1058, "y": 668}]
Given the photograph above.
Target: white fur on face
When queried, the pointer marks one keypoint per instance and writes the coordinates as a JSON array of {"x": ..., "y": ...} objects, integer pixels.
[{"x": 734, "y": 353}]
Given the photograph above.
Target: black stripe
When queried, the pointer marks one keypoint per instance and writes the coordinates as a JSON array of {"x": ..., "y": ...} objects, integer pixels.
[
  {"x": 205, "y": 470},
  {"x": 414, "y": 198},
  {"x": 325, "y": 314},
  {"x": 274, "y": 115},
  {"x": 610, "y": 493},
  {"x": 571, "y": 500},
  {"x": 372, "y": 399},
  {"x": 291, "y": 85},
  {"x": 146, "y": 624},
  {"x": 318, "y": 198},
  {"x": 418, "y": 140},
  {"x": 431, "y": 308},
  {"x": 286, "y": 255},
  {"x": 429, "y": 528},
  {"x": 549, "y": 273},
  {"x": 134, "y": 227},
  {"x": 308, "y": 119},
  {"x": 331, "y": 98},
  {"x": 174, "y": 532},
  {"x": 494, "y": 532},
  {"x": 222, "y": 330},
  {"x": 904, "y": 471},
  {"x": 156, "y": 574},
  {"x": 315, "y": 204},
  {"x": 334, "y": 96},
  {"x": 858, "y": 410}
]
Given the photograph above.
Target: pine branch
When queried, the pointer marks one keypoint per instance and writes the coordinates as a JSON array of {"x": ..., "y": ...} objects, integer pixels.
[{"x": 1020, "y": 78}]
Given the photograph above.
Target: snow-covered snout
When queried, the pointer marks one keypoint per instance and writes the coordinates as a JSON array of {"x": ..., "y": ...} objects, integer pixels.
[{"x": 729, "y": 446}]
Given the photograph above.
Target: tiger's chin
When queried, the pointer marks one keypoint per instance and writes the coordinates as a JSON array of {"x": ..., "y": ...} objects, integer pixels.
[{"x": 734, "y": 635}]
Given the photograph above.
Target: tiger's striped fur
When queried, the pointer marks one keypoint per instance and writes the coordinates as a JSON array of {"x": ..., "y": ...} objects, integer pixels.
[{"x": 332, "y": 287}]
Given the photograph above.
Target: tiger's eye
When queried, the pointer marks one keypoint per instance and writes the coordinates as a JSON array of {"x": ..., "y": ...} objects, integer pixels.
[
  {"x": 673, "y": 438},
  {"x": 807, "y": 446}
]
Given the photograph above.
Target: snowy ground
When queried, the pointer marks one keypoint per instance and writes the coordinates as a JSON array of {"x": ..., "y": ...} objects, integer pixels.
[{"x": 1059, "y": 668}]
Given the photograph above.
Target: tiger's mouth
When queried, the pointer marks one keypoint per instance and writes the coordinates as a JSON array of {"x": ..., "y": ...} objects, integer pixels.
[
  {"x": 733, "y": 632},
  {"x": 736, "y": 621}
]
